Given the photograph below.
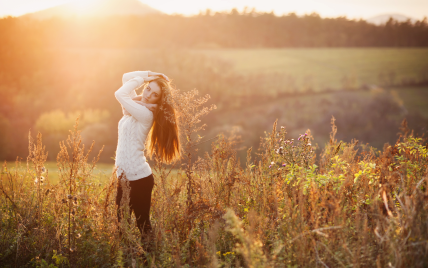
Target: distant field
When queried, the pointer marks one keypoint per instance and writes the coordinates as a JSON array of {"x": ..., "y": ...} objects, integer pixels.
[
  {"x": 322, "y": 68},
  {"x": 101, "y": 173}
]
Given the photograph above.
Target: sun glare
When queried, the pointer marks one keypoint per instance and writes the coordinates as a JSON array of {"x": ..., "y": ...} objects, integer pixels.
[{"x": 83, "y": 5}]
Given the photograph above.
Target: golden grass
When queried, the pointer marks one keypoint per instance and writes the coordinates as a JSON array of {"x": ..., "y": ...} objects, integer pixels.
[{"x": 350, "y": 208}]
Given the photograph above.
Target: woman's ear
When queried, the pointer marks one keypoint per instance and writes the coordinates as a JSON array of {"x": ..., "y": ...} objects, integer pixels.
[{"x": 138, "y": 98}]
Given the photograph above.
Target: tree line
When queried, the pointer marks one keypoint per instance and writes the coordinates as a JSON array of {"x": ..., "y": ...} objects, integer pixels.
[{"x": 228, "y": 29}]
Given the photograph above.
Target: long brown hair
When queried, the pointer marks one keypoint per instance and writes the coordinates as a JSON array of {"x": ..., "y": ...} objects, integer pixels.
[{"x": 164, "y": 140}]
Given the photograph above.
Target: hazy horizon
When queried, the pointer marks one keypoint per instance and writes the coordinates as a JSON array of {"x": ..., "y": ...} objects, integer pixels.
[{"x": 352, "y": 9}]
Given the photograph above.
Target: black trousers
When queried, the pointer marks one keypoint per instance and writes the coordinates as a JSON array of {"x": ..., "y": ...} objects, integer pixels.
[{"x": 139, "y": 201}]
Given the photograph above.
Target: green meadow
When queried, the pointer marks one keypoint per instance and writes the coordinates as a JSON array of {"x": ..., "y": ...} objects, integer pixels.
[
  {"x": 321, "y": 68},
  {"x": 102, "y": 171}
]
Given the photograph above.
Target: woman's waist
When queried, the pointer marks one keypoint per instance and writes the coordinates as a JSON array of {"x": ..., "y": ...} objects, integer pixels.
[{"x": 132, "y": 155}]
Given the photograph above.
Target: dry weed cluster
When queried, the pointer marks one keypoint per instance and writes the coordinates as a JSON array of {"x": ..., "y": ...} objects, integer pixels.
[{"x": 351, "y": 209}]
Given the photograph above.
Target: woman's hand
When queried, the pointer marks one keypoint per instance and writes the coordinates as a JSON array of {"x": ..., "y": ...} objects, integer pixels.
[{"x": 156, "y": 75}]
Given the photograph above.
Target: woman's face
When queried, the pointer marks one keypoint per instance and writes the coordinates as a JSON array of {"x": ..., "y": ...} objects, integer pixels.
[{"x": 152, "y": 93}]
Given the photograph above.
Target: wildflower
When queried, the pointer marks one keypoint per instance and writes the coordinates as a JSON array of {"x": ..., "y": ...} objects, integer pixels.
[
  {"x": 282, "y": 127},
  {"x": 272, "y": 163},
  {"x": 270, "y": 166},
  {"x": 42, "y": 178},
  {"x": 309, "y": 144},
  {"x": 306, "y": 134},
  {"x": 284, "y": 164},
  {"x": 279, "y": 169}
]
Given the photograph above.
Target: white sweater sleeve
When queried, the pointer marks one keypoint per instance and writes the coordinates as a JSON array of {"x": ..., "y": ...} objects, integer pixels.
[
  {"x": 128, "y": 76},
  {"x": 124, "y": 96}
]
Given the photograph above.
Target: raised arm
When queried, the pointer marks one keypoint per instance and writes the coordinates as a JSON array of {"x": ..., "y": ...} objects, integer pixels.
[
  {"x": 128, "y": 76},
  {"x": 123, "y": 95}
]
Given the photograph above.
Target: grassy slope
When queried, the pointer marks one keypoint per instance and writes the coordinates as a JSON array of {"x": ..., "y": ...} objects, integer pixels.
[
  {"x": 415, "y": 99},
  {"x": 326, "y": 67}
]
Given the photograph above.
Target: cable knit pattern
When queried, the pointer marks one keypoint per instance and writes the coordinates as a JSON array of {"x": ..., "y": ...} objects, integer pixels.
[{"x": 133, "y": 130}]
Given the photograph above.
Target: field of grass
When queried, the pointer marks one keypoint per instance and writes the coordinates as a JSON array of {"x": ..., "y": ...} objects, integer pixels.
[
  {"x": 415, "y": 99},
  {"x": 102, "y": 171},
  {"x": 285, "y": 206},
  {"x": 357, "y": 114},
  {"x": 279, "y": 210},
  {"x": 322, "y": 68}
]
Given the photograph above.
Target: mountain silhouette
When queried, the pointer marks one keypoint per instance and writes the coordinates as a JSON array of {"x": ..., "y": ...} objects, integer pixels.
[
  {"x": 96, "y": 8},
  {"x": 382, "y": 19}
]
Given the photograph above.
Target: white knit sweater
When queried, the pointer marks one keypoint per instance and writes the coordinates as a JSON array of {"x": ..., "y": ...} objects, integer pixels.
[{"x": 133, "y": 129}]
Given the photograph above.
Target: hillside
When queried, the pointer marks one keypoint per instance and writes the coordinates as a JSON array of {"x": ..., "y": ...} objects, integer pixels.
[{"x": 97, "y": 8}]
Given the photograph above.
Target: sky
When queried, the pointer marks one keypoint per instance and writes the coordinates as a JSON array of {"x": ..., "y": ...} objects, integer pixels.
[{"x": 355, "y": 9}]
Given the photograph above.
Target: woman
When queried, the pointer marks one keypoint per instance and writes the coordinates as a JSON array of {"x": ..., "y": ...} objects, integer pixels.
[{"x": 152, "y": 116}]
